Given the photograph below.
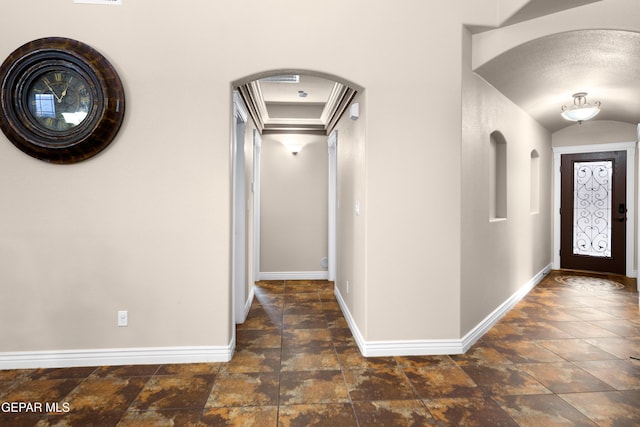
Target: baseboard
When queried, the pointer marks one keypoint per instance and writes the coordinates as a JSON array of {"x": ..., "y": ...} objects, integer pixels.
[
  {"x": 396, "y": 348},
  {"x": 247, "y": 305},
  {"x": 112, "y": 357},
  {"x": 436, "y": 347},
  {"x": 488, "y": 322},
  {"x": 355, "y": 331},
  {"x": 204, "y": 354},
  {"x": 294, "y": 275}
]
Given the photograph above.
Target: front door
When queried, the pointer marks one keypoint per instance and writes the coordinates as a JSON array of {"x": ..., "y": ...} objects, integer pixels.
[{"x": 593, "y": 211}]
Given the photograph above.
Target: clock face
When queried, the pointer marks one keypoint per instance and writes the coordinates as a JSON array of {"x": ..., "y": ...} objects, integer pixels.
[{"x": 59, "y": 99}]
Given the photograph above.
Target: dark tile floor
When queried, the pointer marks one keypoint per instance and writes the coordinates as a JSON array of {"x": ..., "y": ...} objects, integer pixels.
[{"x": 561, "y": 357}]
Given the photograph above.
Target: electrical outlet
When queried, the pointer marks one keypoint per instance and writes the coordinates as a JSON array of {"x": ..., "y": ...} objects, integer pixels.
[{"x": 123, "y": 318}]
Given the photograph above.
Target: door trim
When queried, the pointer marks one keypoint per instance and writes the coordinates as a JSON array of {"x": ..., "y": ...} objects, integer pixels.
[
  {"x": 333, "y": 199},
  {"x": 630, "y": 148},
  {"x": 255, "y": 186},
  {"x": 238, "y": 226}
]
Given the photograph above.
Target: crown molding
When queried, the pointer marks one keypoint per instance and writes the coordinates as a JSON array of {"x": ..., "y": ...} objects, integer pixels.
[{"x": 339, "y": 99}]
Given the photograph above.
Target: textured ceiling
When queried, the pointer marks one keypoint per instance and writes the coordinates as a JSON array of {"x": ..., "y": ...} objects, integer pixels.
[
  {"x": 540, "y": 76},
  {"x": 537, "y": 8}
]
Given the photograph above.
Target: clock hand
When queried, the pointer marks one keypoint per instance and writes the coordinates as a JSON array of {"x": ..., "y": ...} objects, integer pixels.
[
  {"x": 52, "y": 91},
  {"x": 64, "y": 93}
]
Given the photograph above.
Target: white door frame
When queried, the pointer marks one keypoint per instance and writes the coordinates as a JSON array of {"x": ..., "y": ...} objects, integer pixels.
[
  {"x": 630, "y": 148},
  {"x": 255, "y": 186},
  {"x": 332, "y": 143},
  {"x": 239, "y": 227}
]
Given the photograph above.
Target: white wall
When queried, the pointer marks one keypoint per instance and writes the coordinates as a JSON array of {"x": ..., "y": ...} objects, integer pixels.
[
  {"x": 293, "y": 208},
  {"x": 412, "y": 157},
  {"x": 500, "y": 257},
  {"x": 145, "y": 226},
  {"x": 351, "y": 228},
  {"x": 142, "y": 227}
]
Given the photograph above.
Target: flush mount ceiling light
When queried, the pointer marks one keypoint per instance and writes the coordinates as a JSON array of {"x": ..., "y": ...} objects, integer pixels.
[{"x": 581, "y": 110}]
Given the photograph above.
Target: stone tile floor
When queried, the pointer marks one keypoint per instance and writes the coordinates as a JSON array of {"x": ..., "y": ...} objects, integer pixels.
[{"x": 561, "y": 357}]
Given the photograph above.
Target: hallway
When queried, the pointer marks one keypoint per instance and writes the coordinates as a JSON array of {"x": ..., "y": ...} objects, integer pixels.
[{"x": 562, "y": 356}]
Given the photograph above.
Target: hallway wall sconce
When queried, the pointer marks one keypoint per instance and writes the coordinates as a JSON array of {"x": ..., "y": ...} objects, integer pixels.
[
  {"x": 581, "y": 110},
  {"x": 294, "y": 147}
]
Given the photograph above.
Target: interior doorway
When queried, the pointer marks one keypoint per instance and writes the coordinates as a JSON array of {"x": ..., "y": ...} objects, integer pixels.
[
  {"x": 269, "y": 106},
  {"x": 559, "y": 259},
  {"x": 594, "y": 211}
]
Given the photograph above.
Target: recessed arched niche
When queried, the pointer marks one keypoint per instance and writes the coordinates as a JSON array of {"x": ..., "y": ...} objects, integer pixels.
[{"x": 497, "y": 176}]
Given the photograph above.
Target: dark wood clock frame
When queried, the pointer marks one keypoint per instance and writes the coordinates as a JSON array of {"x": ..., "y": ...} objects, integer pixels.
[{"x": 106, "y": 110}]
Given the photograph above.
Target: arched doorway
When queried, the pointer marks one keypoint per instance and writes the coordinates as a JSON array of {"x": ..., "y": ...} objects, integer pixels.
[
  {"x": 540, "y": 75},
  {"x": 281, "y": 102}
]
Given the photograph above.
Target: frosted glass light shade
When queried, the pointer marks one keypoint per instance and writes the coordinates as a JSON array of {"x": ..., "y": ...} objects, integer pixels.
[
  {"x": 581, "y": 113},
  {"x": 580, "y": 110}
]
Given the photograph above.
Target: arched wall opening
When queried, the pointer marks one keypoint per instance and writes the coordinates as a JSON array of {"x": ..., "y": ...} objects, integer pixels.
[
  {"x": 261, "y": 134},
  {"x": 274, "y": 108},
  {"x": 540, "y": 71},
  {"x": 283, "y": 71}
]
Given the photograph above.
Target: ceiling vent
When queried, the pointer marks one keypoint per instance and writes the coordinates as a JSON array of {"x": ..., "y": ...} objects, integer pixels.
[
  {"x": 115, "y": 2},
  {"x": 284, "y": 78}
]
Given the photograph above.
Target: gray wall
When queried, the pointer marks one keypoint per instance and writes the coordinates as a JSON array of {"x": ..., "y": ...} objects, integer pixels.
[{"x": 293, "y": 209}]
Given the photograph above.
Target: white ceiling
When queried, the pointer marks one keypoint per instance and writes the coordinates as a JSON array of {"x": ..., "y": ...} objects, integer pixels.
[
  {"x": 318, "y": 90},
  {"x": 540, "y": 76},
  {"x": 283, "y": 99}
]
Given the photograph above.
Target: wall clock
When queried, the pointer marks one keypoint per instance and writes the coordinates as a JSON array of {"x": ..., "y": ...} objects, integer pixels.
[{"x": 61, "y": 101}]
